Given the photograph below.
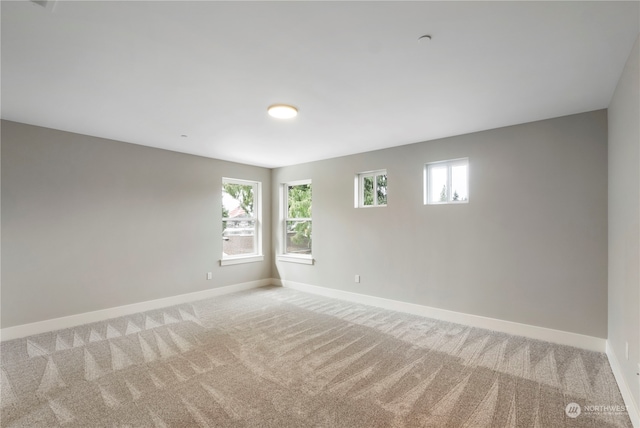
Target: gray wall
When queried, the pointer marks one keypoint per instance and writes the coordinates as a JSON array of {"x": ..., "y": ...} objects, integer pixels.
[
  {"x": 624, "y": 216},
  {"x": 529, "y": 247},
  {"x": 89, "y": 223}
]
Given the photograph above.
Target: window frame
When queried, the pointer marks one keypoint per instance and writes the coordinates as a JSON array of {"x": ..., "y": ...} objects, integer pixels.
[
  {"x": 359, "y": 188},
  {"x": 257, "y": 255},
  {"x": 428, "y": 197},
  {"x": 284, "y": 206}
]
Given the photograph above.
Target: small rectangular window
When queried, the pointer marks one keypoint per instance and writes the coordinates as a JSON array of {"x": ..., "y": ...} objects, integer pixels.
[
  {"x": 297, "y": 218},
  {"x": 446, "y": 182},
  {"x": 371, "y": 189},
  {"x": 241, "y": 229}
]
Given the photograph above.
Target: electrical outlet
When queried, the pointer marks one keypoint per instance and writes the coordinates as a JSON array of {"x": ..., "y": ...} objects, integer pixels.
[
  {"x": 209, "y": 275},
  {"x": 357, "y": 278}
]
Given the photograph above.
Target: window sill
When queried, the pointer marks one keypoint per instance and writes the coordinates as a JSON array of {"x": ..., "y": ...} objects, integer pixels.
[
  {"x": 448, "y": 203},
  {"x": 242, "y": 259},
  {"x": 305, "y": 260}
]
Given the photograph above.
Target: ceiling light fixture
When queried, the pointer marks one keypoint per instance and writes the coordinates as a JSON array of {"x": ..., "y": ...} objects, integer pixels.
[
  {"x": 282, "y": 111},
  {"x": 424, "y": 39}
]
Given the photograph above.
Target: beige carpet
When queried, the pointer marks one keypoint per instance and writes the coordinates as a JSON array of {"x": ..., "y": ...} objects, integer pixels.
[{"x": 275, "y": 357}]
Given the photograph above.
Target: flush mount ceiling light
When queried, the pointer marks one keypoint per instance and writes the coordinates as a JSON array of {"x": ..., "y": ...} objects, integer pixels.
[{"x": 282, "y": 111}]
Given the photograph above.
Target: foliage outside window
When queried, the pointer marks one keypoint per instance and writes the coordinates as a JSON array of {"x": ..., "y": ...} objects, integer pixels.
[
  {"x": 297, "y": 219},
  {"x": 240, "y": 218},
  {"x": 371, "y": 189},
  {"x": 447, "y": 182}
]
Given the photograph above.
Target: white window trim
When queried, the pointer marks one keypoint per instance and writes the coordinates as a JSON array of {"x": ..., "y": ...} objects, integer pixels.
[
  {"x": 359, "y": 188},
  {"x": 284, "y": 204},
  {"x": 257, "y": 256},
  {"x": 449, "y": 164},
  {"x": 236, "y": 260},
  {"x": 302, "y": 259}
]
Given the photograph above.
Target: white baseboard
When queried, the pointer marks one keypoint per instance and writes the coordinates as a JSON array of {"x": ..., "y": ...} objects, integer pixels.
[
  {"x": 119, "y": 311},
  {"x": 531, "y": 331},
  {"x": 632, "y": 407}
]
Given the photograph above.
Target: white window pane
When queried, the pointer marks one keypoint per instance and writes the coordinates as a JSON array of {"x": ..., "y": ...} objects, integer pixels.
[
  {"x": 240, "y": 218},
  {"x": 298, "y": 237},
  {"x": 237, "y": 200},
  {"x": 367, "y": 185},
  {"x": 381, "y": 186},
  {"x": 438, "y": 184},
  {"x": 459, "y": 183},
  {"x": 299, "y": 201},
  {"x": 372, "y": 188},
  {"x": 239, "y": 237}
]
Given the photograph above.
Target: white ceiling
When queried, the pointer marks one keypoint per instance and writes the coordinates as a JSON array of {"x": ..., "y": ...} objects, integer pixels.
[{"x": 148, "y": 72}]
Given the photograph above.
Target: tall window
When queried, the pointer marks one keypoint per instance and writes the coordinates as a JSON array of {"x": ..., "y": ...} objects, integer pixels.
[
  {"x": 241, "y": 229},
  {"x": 371, "y": 189},
  {"x": 297, "y": 219},
  {"x": 447, "y": 182}
]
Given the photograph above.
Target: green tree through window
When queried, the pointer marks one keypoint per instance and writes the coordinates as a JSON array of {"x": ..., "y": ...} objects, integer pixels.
[
  {"x": 298, "y": 219},
  {"x": 242, "y": 193},
  {"x": 372, "y": 188},
  {"x": 240, "y": 222}
]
